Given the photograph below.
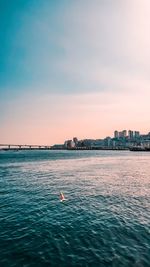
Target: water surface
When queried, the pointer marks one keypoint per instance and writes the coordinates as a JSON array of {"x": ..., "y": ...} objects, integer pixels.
[{"x": 104, "y": 222}]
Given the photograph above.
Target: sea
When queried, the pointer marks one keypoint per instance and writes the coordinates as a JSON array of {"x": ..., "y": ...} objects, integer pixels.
[{"x": 104, "y": 221}]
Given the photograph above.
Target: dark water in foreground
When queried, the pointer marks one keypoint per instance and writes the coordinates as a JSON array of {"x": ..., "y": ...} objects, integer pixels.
[{"x": 105, "y": 222}]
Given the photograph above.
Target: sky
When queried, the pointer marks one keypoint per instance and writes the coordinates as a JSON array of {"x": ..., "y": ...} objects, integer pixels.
[{"x": 73, "y": 68}]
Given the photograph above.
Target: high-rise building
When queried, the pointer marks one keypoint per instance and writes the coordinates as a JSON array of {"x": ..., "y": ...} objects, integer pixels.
[
  {"x": 116, "y": 134},
  {"x": 123, "y": 134},
  {"x": 136, "y": 134},
  {"x": 130, "y": 134}
]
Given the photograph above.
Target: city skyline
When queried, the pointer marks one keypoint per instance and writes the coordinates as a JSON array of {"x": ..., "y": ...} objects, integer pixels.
[
  {"x": 116, "y": 134},
  {"x": 73, "y": 68}
]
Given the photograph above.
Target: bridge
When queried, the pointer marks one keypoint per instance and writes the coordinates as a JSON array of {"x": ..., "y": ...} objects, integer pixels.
[{"x": 23, "y": 147}]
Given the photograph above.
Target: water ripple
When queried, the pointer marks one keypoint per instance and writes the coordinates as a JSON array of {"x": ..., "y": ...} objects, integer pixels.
[{"x": 105, "y": 222}]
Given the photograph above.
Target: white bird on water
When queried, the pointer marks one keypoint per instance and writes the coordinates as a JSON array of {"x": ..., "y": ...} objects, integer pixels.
[{"x": 62, "y": 197}]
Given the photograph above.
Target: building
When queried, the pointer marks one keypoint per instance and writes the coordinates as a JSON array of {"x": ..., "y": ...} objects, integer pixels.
[
  {"x": 87, "y": 143},
  {"x": 130, "y": 134},
  {"x": 108, "y": 142},
  {"x": 123, "y": 134},
  {"x": 136, "y": 134},
  {"x": 75, "y": 140},
  {"x": 116, "y": 134},
  {"x": 69, "y": 144}
]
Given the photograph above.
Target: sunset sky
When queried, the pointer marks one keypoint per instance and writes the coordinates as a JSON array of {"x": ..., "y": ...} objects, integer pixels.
[{"x": 73, "y": 68}]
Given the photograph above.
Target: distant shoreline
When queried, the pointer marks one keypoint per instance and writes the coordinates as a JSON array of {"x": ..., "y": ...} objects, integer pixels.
[
  {"x": 76, "y": 149},
  {"x": 65, "y": 149}
]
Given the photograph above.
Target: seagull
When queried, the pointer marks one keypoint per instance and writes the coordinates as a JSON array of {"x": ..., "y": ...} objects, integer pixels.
[{"x": 62, "y": 198}]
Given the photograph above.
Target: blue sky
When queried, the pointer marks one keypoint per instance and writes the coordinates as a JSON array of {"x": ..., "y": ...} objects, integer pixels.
[{"x": 73, "y": 68}]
